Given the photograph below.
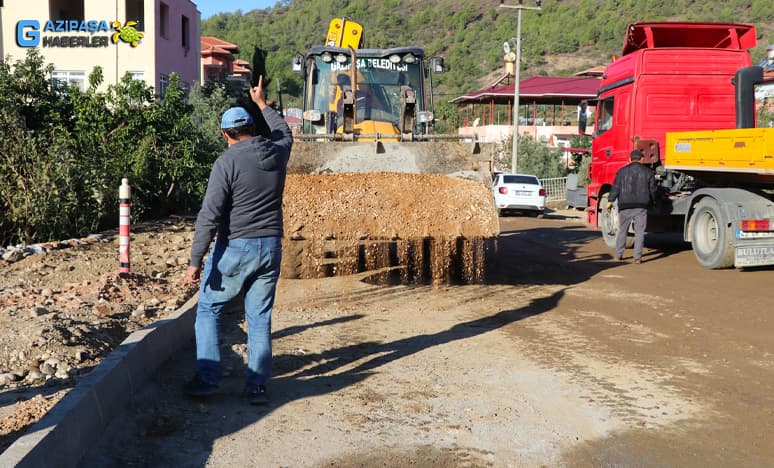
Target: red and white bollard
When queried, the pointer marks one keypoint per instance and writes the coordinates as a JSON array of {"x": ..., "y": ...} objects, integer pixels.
[{"x": 124, "y": 196}]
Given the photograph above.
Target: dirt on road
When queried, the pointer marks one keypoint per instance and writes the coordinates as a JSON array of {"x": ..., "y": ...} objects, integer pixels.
[
  {"x": 562, "y": 357},
  {"x": 64, "y": 307}
]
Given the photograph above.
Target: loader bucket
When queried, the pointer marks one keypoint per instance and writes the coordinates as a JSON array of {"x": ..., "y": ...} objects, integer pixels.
[
  {"x": 467, "y": 160},
  {"x": 410, "y": 212}
]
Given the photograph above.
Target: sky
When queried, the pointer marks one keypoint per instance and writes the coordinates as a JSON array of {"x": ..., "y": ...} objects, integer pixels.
[{"x": 213, "y": 7}]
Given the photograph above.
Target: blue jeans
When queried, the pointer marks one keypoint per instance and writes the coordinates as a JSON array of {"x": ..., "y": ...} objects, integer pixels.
[{"x": 252, "y": 265}]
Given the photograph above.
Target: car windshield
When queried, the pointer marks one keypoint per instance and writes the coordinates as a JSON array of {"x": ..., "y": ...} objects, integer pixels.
[{"x": 520, "y": 179}]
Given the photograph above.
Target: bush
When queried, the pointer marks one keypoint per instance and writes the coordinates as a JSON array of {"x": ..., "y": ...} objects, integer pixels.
[
  {"x": 581, "y": 161},
  {"x": 65, "y": 151}
]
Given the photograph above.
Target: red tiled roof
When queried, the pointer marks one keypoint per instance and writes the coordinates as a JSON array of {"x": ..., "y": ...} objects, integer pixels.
[
  {"x": 242, "y": 66},
  {"x": 540, "y": 87},
  {"x": 215, "y": 50},
  {"x": 208, "y": 42}
]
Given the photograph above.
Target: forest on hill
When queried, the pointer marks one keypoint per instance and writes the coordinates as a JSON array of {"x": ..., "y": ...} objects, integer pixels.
[
  {"x": 564, "y": 37},
  {"x": 65, "y": 148}
]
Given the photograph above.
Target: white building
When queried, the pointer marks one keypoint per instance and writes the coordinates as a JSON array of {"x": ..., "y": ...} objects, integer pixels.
[{"x": 77, "y": 35}]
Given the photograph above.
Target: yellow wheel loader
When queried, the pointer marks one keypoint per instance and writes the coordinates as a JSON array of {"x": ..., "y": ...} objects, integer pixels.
[{"x": 422, "y": 200}]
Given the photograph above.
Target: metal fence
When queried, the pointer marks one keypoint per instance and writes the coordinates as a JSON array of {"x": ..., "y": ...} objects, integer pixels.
[{"x": 556, "y": 188}]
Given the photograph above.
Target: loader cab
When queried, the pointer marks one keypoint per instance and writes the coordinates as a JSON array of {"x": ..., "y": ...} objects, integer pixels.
[{"x": 380, "y": 75}]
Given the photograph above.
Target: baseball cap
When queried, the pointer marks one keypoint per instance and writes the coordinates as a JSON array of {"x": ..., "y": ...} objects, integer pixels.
[
  {"x": 636, "y": 154},
  {"x": 235, "y": 117}
]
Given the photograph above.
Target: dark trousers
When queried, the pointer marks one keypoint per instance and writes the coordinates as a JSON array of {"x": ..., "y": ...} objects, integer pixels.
[{"x": 631, "y": 216}]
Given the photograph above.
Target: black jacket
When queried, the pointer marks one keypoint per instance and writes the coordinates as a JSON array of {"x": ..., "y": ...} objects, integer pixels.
[{"x": 634, "y": 187}]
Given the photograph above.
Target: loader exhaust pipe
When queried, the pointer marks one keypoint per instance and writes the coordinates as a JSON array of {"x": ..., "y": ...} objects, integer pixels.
[
  {"x": 350, "y": 101},
  {"x": 745, "y": 80}
]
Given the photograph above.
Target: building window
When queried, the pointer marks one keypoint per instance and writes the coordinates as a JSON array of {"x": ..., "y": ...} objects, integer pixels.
[
  {"x": 163, "y": 83},
  {"x": 135, "y": 11},
  {"x": 66, "y": 78},
  {"x": 212, "y": 75},
  {"x": 136, "y": 75},
  {"x": 164, "y": 20},
  {"x": 186, "y": 40},
  {"x": 65, "y": 9}
]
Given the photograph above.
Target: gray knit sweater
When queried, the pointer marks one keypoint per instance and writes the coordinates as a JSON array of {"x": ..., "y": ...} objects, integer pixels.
[{"x": 244, "y": 192}]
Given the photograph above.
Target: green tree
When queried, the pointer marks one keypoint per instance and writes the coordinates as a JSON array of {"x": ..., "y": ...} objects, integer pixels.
[
  {"x": 535, "y": 158},
  {"x": 65, "y": 151},
  {"x": 39, "y": 182},
  {"x": 40, "y": 185},
  {"x": 581, "y": 160},
  {"x": 207, "y": 106}
]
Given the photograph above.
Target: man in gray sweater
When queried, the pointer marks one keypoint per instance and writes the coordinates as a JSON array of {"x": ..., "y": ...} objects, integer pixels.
[{"x": 243, "y": 205}]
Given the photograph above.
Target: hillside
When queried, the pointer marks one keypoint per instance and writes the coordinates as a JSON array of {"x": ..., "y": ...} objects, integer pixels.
[{"x": 563, "y": 38}]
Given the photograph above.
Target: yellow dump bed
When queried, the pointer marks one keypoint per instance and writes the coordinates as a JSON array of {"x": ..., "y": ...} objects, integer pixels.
[{"x": 744, "y": 150}]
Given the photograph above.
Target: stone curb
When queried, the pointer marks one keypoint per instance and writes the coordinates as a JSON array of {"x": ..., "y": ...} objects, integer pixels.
[{"x": 73, "y": 425}]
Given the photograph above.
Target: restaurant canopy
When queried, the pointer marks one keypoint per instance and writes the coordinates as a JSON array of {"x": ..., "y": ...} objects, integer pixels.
[{"x": 555, "y": 98}]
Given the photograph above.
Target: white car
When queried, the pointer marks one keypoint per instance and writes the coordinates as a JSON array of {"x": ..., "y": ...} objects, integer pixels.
[{"x": 518, "y": 193}]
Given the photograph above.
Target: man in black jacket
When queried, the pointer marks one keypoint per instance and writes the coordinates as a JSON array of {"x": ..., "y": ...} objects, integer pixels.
[{"x": 635, "y": 189}]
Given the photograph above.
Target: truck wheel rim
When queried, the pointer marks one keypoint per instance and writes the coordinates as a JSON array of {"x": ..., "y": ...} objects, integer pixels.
[
  {"x": 609, "y": 223},
  {"x": 708, "y": 232}
]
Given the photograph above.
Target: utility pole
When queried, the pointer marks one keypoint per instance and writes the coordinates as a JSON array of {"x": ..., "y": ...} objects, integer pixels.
[
  {"x": 516, "y": 68},
  {"x": 279, "y": 93},
  {"x": 2, "y": 51}
]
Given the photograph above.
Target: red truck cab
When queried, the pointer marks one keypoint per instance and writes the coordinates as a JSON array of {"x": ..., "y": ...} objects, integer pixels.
[{"x": 670, "y": 77}]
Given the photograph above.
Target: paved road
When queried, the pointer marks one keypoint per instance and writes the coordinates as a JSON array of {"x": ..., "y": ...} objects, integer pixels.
[{"x": 565, "y": 358}]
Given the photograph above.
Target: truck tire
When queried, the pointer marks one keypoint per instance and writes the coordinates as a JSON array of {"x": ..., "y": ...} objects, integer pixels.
[
  {"x": 608, "y": 224},
  {"x": 711, "y": 235}
]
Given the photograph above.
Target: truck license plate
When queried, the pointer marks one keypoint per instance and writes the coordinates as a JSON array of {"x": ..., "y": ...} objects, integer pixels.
[{"x": 746, "y": 256}]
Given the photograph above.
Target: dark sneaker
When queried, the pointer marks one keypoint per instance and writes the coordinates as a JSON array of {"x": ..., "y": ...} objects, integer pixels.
[
  {"x": 257, "y": 396},
  {"x": 198, "y": 387}
]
